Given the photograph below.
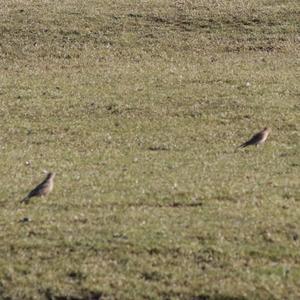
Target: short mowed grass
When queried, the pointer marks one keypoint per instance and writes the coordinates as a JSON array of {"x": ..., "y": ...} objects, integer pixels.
[{"x": 138, "y": 107}]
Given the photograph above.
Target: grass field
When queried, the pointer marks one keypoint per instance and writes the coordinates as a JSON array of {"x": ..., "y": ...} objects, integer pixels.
[{"x": 138, "y": 107}]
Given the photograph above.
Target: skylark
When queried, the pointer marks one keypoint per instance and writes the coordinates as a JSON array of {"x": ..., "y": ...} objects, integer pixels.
[
  {"x": 43, "y": 189},
  {"x": 258, "y": 138}
]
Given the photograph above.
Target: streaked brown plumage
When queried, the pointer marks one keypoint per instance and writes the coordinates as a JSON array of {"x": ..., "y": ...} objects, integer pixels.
[
  {"x": 258, "y": 138},
  {"x": 43, "y": 189}
]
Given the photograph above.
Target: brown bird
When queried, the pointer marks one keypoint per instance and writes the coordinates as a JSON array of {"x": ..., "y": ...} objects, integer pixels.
[
  {"x": 258, "y": 138},
  {"x": 43, "y": 189}
]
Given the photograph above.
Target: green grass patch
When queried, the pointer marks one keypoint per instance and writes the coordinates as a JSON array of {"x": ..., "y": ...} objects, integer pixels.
[{"x": 138, "y": 107}]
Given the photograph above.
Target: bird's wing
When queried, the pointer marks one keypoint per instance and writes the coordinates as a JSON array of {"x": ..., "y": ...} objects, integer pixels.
[
  {"x": 254, "y": 140},
  {"x": 36, "y": 190}
]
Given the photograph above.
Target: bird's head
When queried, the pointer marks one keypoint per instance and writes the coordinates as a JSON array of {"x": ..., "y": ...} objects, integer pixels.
[{"x": 51, "y": 175}]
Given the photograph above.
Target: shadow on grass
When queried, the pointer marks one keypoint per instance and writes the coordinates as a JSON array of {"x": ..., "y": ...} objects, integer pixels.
[
  {"x": 217, "y": 297},
  {"x": 49, "y": 295}
]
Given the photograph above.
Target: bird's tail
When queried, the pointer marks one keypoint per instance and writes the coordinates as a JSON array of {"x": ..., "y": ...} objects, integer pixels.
[
  {"x": 25, "y": 200},
  {"x": 241, "y": 146}
]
